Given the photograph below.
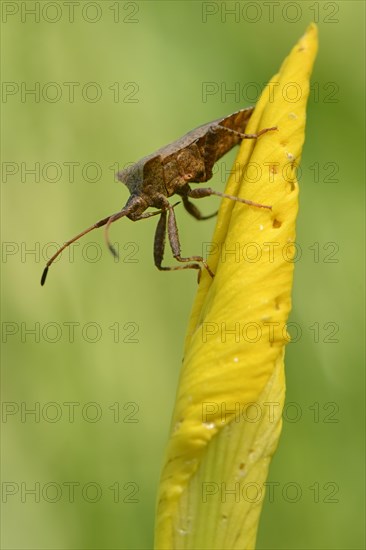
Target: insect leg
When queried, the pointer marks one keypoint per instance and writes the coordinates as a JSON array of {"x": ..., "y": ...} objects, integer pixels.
[
  {"x": 201, "y": 192},
  {"x": 159, "y": 246},
  {"x": 246, "y": 136},
  {"x": 175, "y": 246},
  {"x": 194, "y": 211},
  {"x": 159, "y": 242},
  {"x": 135, "y": 217}
]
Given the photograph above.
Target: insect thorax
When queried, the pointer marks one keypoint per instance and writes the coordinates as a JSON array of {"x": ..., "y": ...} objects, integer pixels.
[{"x": 132, "y": 176}]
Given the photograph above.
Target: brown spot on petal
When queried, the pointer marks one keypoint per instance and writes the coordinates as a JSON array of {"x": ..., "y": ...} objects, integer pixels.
[{"x": 273, "y": 169}]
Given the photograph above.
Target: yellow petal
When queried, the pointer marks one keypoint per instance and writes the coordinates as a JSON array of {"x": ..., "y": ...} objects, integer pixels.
[{"x": 227, "y": 417}]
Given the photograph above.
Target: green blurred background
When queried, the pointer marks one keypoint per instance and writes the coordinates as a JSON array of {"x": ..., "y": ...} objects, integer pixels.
[{"x": 103, "y": 398}]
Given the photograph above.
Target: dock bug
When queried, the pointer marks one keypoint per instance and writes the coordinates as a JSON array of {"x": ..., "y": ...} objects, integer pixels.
[{"x": 170, "y": 171}]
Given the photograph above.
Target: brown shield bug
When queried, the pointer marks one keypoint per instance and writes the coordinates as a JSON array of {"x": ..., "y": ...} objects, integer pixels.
[{"x": 170, "y": 171}]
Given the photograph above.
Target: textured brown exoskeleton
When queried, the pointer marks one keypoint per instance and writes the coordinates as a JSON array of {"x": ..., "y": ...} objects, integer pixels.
[{"x": 169, "y": 171}]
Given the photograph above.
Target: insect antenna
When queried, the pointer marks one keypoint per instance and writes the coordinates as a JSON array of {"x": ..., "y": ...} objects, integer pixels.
[
  {"x": 107, "y": 222},
  {"x": 76, "y": 238},
  {"x": 113, "y": 217}
]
